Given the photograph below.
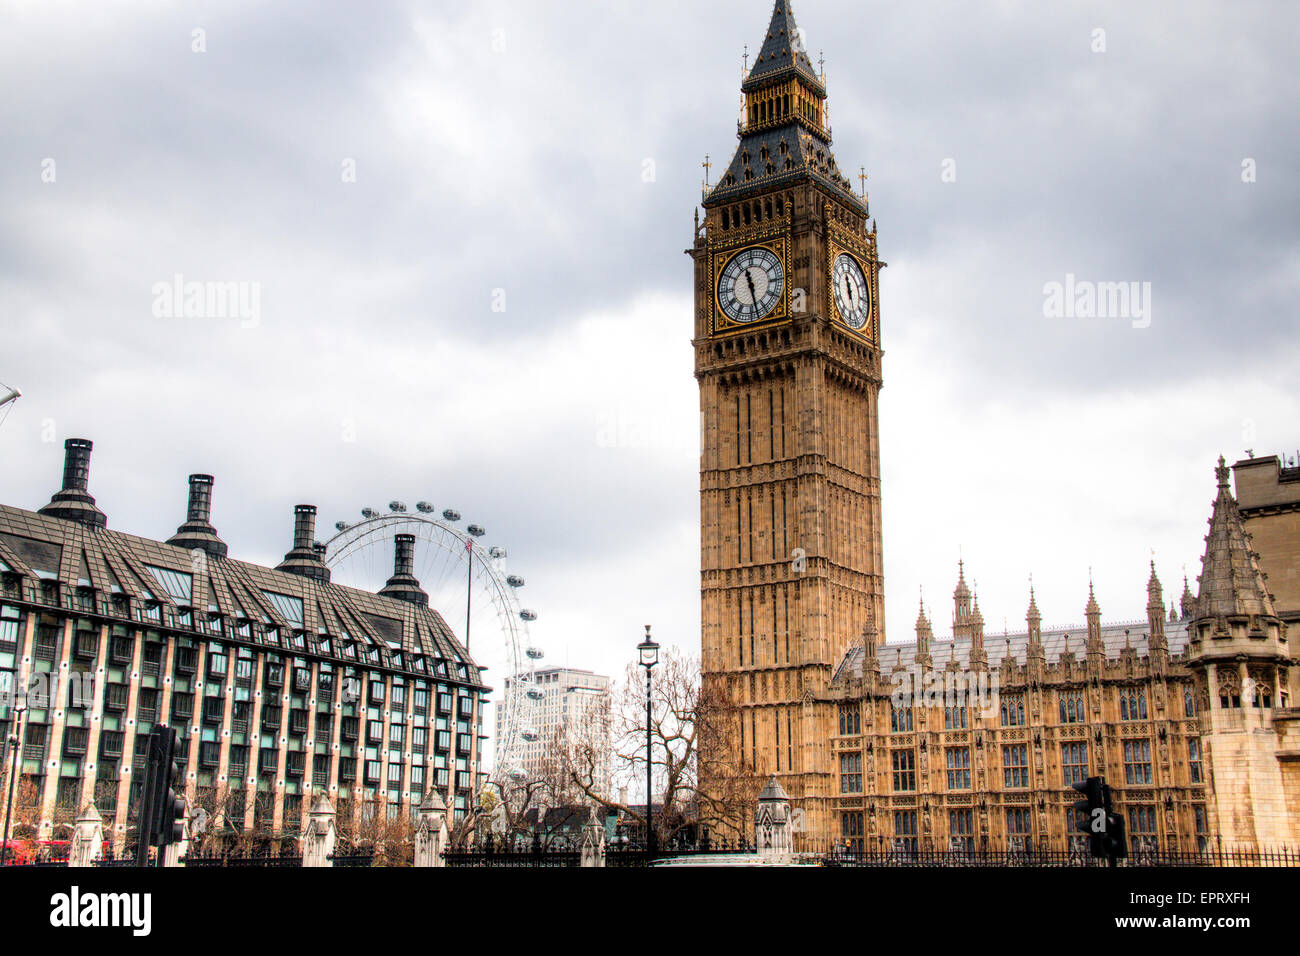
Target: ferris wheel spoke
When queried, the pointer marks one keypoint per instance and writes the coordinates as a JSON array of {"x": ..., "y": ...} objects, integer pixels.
[{"x": 361, "y": 555}]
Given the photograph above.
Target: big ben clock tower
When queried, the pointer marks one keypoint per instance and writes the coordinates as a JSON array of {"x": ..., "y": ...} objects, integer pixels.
[{"x": 787, "y": 355}]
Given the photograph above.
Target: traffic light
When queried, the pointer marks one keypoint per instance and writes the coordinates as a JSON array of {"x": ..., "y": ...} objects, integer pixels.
[
  {"x": 171, "y": 803},
  {"x": 163, "y": 810},
  {"x": 1091, "y": 814}
]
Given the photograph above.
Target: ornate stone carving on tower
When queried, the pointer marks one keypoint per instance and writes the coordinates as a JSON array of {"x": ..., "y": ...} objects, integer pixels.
[
  {"x": 787, "y": 356},
  {"x": 1238, "y": 651}
]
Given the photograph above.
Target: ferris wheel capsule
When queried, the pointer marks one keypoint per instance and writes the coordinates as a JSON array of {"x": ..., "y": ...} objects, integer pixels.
[
  {"x": 535, "y": 653},
  {"x": 451, "y": 514},
  {"x": 424, "y": 507},
  {"x": 535, "y": 694},
  {"x": 342, "y": 525},
  {"x": 369, "y": 513},
  {"x": 514, "y": 580},
  {"x": 519, "y": 774},
  {"x": 497, "y": 553},
  {"x": 528, "y": 615},
  {"x": 476, "y": 530},
  {"x": 530, "y": 735},
  {"x": 397, "y": 506}
]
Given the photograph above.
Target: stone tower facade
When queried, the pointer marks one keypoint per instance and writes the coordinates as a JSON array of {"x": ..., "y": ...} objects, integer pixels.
[
  {"x": 788, "y": 360},
  {"x": 1240, "y": 659}
]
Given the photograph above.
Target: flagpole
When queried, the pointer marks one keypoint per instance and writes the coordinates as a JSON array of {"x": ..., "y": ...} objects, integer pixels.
[{"x": 469, "y": 587}]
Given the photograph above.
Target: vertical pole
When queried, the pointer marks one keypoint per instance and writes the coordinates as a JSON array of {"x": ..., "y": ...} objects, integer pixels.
[
  {"x": 649, "y": 767},
  {"x": 16, "y": 741},
  {"x": 147, "y": 809},
  {"x": 469, "y": 587}
]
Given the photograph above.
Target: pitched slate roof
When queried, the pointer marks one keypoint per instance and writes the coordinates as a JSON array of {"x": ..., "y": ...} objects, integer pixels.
[
  {"x": 384, "y": 632},
  {"x": 794, "y": 155}
]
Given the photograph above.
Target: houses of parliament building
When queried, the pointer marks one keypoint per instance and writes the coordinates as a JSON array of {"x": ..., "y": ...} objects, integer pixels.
[{"x": 1188, "y": 715}]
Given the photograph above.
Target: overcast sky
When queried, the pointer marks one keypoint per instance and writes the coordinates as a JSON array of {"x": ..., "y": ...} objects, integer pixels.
[{"x": 392, "y": 175}]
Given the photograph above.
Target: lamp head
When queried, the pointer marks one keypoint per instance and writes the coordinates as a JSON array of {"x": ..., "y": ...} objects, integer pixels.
[{"x": 648, "y": 650}]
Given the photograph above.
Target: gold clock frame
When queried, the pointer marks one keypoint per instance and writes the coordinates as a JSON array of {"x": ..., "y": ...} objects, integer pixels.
[
  {"x": 842, "y": 242},
  {"x": 774, "y": 241}
]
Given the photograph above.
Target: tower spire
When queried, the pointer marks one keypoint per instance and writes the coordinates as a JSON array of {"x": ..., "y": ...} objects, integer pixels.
[
  {"x": 1231, "y": 581},
  {"x": 784, "y": 131},
  {"x": 782, "y": 54}
]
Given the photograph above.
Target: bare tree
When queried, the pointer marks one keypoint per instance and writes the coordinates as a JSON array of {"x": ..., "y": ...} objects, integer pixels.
[{"x": 687, "y": 720}]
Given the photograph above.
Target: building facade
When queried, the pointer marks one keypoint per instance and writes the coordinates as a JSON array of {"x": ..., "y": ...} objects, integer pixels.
[
  {"x": 973, "y": 740},
  {"x": 561, "y": 702},
  {"x": 282, "y": 685}
]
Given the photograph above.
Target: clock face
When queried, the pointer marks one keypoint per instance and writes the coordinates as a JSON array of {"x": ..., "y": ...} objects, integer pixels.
[
  {"x": 852, "y": 294},
  {"x": 751, "y": 285}
]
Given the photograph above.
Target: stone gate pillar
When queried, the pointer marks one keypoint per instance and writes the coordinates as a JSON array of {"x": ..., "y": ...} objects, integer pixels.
[
  {"x": 87, "y": 838},
  {"x": 319, "y": 837},
  {"x": 431, "y": 830},
  {"x": 772, "y": 830},
  {"x": 592, "y": 848}
]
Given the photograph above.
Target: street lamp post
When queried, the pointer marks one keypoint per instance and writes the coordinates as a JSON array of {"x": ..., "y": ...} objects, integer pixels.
[
  {"x": 15, "y": 742},
  {"x": 649, "y": 652}
]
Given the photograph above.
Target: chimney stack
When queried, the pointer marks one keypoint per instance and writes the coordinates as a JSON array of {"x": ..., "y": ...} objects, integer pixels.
[
  {"x": 197, "y": 532},
  {"x": 73, "y": 502},
  {"x": 305, "y": 560},
  {"x": 403, "y": 586}
]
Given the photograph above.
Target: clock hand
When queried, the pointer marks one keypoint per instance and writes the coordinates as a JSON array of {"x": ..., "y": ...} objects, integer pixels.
[
  {"x": 849, "y": 289},
  {"x": 753, "y": 293}
]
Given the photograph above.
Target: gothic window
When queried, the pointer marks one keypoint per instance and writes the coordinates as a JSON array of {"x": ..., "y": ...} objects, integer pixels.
[
  {"x": 1137, "y": 761},
  {"x": 905, "y": 830},
  {"x": 1189, "y": 702},
  {"x": 1072, "y": 707},
  {"x": 851, "y": 773},
  {"x": 954, "y": 718},
  {"x": 1013, "y": 710},
  {"x": 1015, "y": 765},
  {"x": 958, "y": 761},
  {"x": 1133, "y": 703},
  {"x": 1142, "y": 820},
  {"x": 852, "y": 831},
  {"x": 900, "y": 719},
  {"x": 850, "y": 721},
  {"x": 904, "y": 764},
  {"x": 961, "y": 823},
  {"x": 1018, "y": 821},
  {"x": 1074, "y": 762},
  {"x": 1194, "y": 759}
]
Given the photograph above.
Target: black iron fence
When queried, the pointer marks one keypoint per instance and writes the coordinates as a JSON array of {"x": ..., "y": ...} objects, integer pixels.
[
  {"x": 359, "y": 859},
  {"x": 125, "y": 858},
  {"x": 616, "y": 854},
  {"x": 263, "y": 858},
  {"x": 1280, "y": 856},
  {"x": 528, "y": 856}
]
